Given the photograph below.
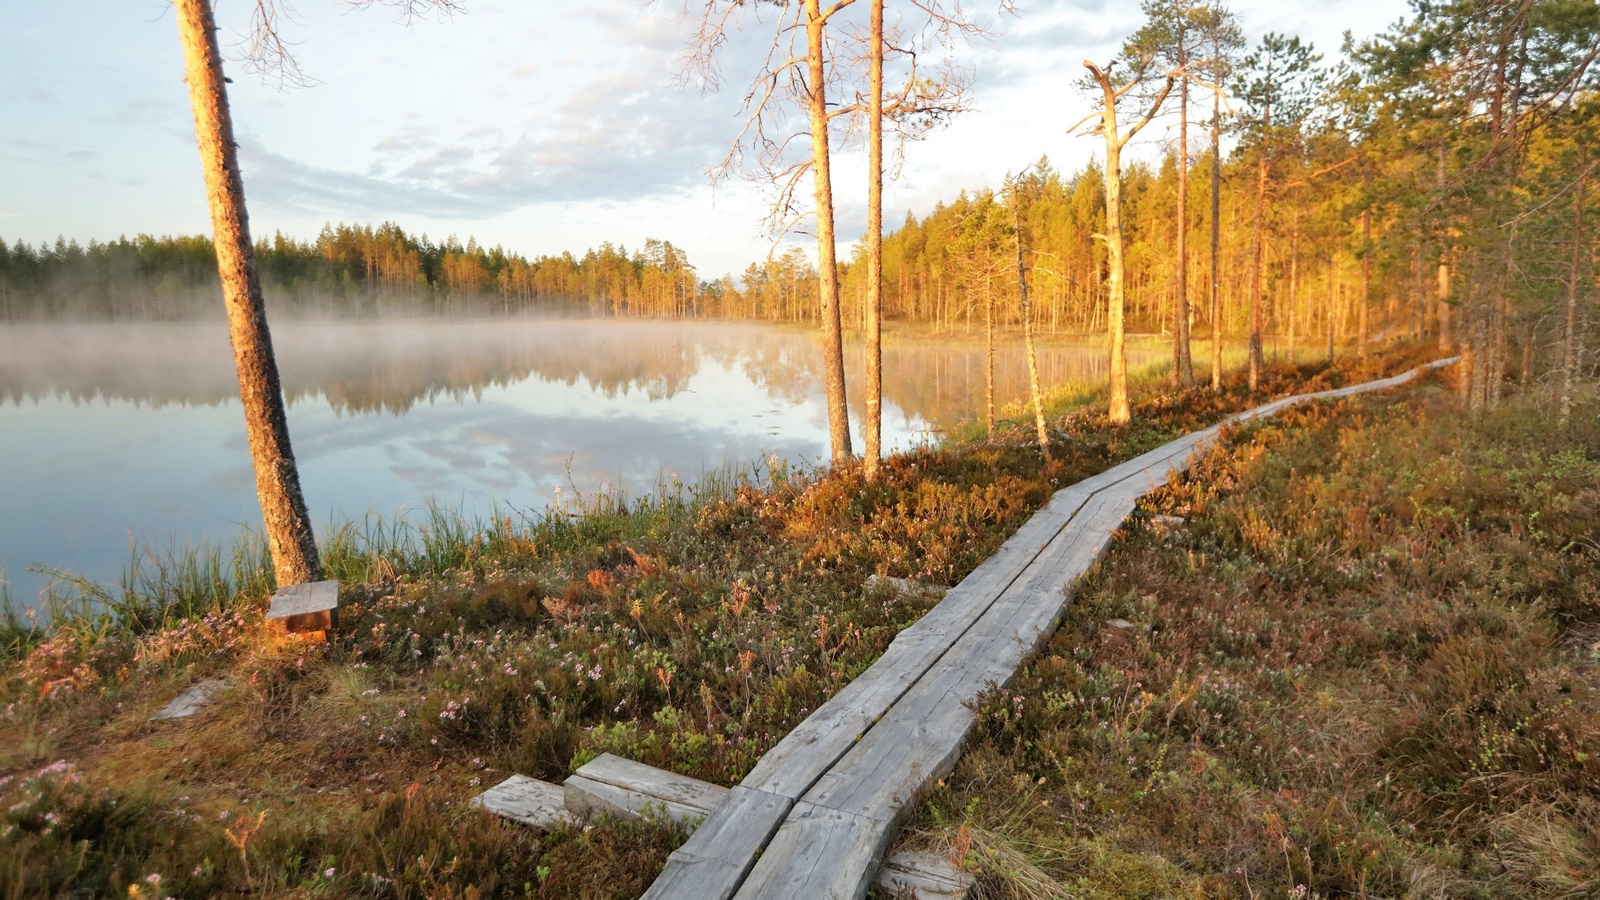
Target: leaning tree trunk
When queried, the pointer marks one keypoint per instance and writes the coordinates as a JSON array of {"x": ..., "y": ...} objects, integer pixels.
[
  {"x": 827, "y": 264},
  {"x": 283, "y": 508},
  {"x": 873, "y": 426}
]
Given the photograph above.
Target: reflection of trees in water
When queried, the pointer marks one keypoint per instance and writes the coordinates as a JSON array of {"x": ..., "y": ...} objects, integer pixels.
[
  {"x": 944, "y": 384},
  {"x": 366, "y": 367}
]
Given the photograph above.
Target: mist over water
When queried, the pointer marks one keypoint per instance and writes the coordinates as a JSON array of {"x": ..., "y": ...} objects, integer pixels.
[{"x": 115, "y": 434}]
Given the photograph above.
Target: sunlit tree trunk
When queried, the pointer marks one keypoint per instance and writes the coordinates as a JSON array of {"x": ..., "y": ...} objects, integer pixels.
[
  {"x": 1027, "y": 327},
  {"x": 1182, "y": 362},
  {"x": 988, "y": 355},
  {"x": 1257, "y": 362},
  {"x": 1294, "y": 279},
  {"x": 283, "y": 508},
  {"x": 1216, "y": 235},
  {"x": 1118, "y": 411},
  {"x": 1365, "y": 298},
  {"x": 827, "y": 263},
  {"x": 873, "y": 426},
  {"x": 1442, "y": 295}
]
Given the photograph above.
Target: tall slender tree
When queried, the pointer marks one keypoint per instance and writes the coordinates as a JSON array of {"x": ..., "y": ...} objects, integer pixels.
[
  {"x": 287, "y": 524},
  {"x": 1279, "y": 83},
  {"x": 283, "y": 506},
  {"x": 1171, "y": 35},
  {"x": 1220, "y": 33},
  {"x": 1112, "y": 90},
  {"x": 873, "y": 426}
]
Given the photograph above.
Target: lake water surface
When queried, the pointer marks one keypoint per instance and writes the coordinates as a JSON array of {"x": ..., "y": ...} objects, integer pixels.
[{"x": 116, "y": 435}]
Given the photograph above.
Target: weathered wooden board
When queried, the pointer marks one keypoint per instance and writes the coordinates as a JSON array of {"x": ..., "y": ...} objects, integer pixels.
[
  {"x": 818, "y": 853},
  {"x": 860, "y": 761},
  {"x": 792, "y": 766},
  {"x": 615, "y": 786},
  {"x": 306, "y": 607},
  {"x": 525, "y": 800},
  {"x": 189, "y": 702},
  {"x": 713, "y": 862},
  {"x": 931, "y": 876}
]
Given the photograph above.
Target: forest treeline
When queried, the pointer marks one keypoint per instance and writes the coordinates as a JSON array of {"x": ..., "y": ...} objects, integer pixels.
[
  {"x": 349, "y": 270},
  {"x": 1432, "y": 181}
]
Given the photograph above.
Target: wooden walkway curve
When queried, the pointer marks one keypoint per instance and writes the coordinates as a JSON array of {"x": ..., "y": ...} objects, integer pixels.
[{"x": 815, "y": 815}]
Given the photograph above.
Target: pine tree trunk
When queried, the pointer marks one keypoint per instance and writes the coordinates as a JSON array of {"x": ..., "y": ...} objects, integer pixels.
[
  {"x": 283, "y": 507},
  {"x": 1294, "y": 280},
  {"x": 1569, "y": 343},
  {"x": 1257, "y": 363},
  {"x": 1365, "y": 299},
  {"x": 988, "y": 356},
  {"x": 873, "y": 426},
  {"x": 1216, "y": 234},
  {"x": 827, "y": 264},
  {"x": 1442, "y": 293},
  {"x": 1182, "y": 362}
]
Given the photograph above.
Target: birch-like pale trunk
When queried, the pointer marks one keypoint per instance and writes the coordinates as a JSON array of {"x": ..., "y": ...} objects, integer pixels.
[
  {"x": 873, "y": 426},
  {"x": 283, "y": 507},
  {"x": 1027, "y": 327},
  {"x": 1118, "y": 409},
  {"x": 827, "y": 261}
]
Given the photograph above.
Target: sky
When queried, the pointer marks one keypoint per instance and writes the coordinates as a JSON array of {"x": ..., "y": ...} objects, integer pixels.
[{"x": 541, "y": 127}]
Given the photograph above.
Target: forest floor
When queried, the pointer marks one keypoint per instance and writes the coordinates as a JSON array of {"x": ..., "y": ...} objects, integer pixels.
[{"x": 1364, "y": 664}]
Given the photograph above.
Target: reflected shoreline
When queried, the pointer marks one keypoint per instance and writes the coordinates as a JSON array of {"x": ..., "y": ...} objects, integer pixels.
[{"x": 367, "y": 367}]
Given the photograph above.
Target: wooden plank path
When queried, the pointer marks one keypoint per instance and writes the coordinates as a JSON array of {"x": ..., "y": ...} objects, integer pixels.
[{"x": 815, "y": 815}]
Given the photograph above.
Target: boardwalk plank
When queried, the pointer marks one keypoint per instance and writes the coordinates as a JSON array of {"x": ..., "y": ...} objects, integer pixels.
[
  {"x": 713, "y": 862},
  {"x": 860, "y": 761}
]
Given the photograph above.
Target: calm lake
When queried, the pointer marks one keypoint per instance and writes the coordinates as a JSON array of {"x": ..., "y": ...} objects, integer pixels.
[{"x": 121, "y": 435}]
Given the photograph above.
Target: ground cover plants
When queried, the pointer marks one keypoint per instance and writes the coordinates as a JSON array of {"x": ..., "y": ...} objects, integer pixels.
[
  {"x": 690, "y": 630},
  {"x": 1364, "y": 664}
]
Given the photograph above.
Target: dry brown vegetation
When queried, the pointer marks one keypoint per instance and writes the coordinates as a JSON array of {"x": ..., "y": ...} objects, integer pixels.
[
  {"x": 692, "y": 633},
  {"x": 1364, "y": 666}
]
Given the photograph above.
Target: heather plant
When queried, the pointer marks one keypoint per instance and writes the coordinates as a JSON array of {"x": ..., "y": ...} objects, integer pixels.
[
  {"x": 1363, "y": 665},
  {"x": 689, "y": 629}
]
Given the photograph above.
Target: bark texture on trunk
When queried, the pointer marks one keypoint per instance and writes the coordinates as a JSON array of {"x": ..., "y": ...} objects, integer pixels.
[
  {"x": 283, "y": 507},
  {"x": 1119, "y": 411},
  {"x": 1182, "y": 361},
  {"x": 1569, "y": 343},
  {"x": 1257, "y": 361},
  {"x": 1365, "y": 299},
  {"x": 1027, "y": 329},
  {"x": 1442, "y": 294},
  {"x": 1216, "y": 236},
  {"x": 988, "y": 355},
  {"x": 873, "y": 426},
  {"x": 827, "y": 262}
]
